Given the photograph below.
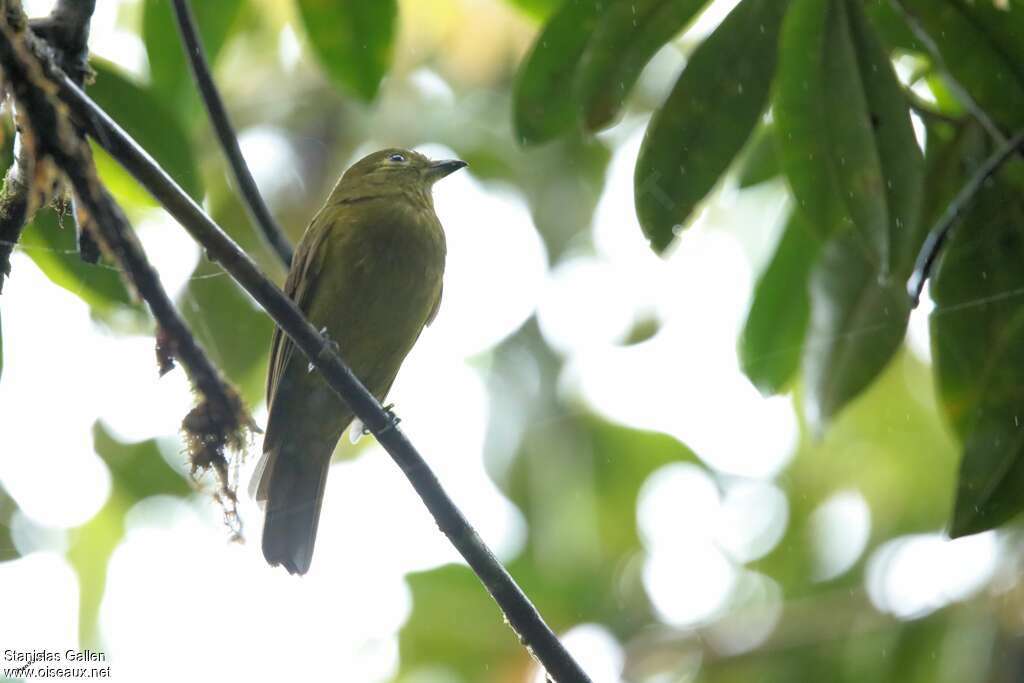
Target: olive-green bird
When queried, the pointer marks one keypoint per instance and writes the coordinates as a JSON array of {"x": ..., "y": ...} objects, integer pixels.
[{"x": 368, "y": 272}]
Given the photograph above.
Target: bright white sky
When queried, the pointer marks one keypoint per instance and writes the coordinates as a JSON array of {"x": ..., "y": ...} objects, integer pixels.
[{"x": 181, "y": 600}]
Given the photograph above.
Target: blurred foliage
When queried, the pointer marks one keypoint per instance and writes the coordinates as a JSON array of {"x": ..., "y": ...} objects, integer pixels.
[
  {"x": 170, "y": 75},
  {"x": 760, "y": 161},
  {"x": 353, "y": 40},
  {"x": 773, "y": 337},
  {"x": 149, "y": 121},
  {"x": 978, "y": 330},
  {"x": 580, "y": 562},
  {"x": 137, "y": 471},
  {"x": 49, "y": 240},
  {"x": 672, "y": 178},
  {"x": 840, "y": 132},
  {"x": 810, "y": 92}
]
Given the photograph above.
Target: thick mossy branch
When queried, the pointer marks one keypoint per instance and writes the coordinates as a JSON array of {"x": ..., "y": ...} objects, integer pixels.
[
  {"x": 66, "y": 32},
  {"x": 14, "y": 209},
  {"x": 66, "y": 35},
  {"x": 220, "y": 420}
]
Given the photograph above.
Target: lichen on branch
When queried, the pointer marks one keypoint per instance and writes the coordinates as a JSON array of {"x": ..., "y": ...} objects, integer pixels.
[{"x": 219, "y": 422}]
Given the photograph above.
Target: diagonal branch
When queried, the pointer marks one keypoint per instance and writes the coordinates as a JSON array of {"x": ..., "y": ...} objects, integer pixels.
[
  {"x": 929, "y": 253},
  {"x": 519, "y": 612},
  {"x": 219, "y": 420},
  {"x": 258, "y": 211}
]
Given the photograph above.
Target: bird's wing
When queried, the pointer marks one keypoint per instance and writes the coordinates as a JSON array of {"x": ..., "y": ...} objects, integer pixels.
[
  {"x": 437, "y": 305},
  {"x": 299, "y": 287}
]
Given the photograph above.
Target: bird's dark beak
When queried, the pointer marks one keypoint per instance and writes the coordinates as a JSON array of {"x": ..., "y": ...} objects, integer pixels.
[{"x": 439, "y": 169}]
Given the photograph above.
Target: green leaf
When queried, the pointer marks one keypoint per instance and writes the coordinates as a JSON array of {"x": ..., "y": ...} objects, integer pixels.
[
  {"x": 760, "y": 161},
  {"x": 91, "y": 547},
  {"x": 138, "y": 469},
  {"x": 169, "y": 73},
  {"x": 801, "y": 116},
  {"x": 847, "y": 145},
  {"x": 543, "y": 107},
  {"x": 352, "y": 40},
  {"x": 773, "y": 336},
  {"x": 627, "y": 36},
  {"x": 951, "y": 156},
  {"x": 891, "y": 27},
  {"x": 858, "y": 319},
  {"x": 901, "y": 164},
  {"x": 1003, "y": 27},
  {"x": 456, "y": 622},
  {"x": 52, "y": 247},
  {"x": 706, "y": 119},
  {"x": 978, "y": 348},
  {"x": 234, "y": 332},
  {"x": 231, "y": 327},
  {"x": 148, "y": 120},
  {"x": 982, "y": 56},
  {"x": 537, "y": 9}
]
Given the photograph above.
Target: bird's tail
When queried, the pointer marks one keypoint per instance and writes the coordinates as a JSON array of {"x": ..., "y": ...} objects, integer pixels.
[{"x": 292, "y": 490}]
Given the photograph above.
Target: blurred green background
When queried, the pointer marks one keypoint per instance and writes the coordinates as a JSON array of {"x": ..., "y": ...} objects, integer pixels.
[{"x": 581, "y": 397}]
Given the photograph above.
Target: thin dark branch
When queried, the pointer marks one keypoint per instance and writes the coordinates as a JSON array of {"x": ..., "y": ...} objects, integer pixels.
[
  {"x": 940, "y": 232},
  {"x": 258, "y": 211},
  {"x": 519, "y": 612},
  {"x": 219, "y": 420}
]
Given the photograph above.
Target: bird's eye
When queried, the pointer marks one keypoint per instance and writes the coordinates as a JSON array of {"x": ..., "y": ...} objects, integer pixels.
[{"x": 397, "y": 158}]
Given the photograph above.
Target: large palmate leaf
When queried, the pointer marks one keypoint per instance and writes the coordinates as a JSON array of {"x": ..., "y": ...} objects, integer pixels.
[
  {"x": 978, "y": 344},
  {"x": 773, "y": 337},
  {"x": 849, "y": 152},
  {"x": 858, "y": 319},
  {"x": 626, "y": 38},
  {"x": 543, "y": 106},
  {"x": 846, "y": 142},
  {"x": 708, "y": 116},
  {"x": 982, "y": 50},
  {"x": 901, "y": 165},
  {"x": 352, "y": 40},
  {"x": 760, "y": 161},
  {"x": 149, "y": 120}
]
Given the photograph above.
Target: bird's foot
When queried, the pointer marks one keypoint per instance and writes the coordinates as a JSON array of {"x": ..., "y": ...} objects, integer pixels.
[
  {"x": 329, "y": 346},
  {"x": 393, "y": 419},
  {"x": 358, "y": 429}
]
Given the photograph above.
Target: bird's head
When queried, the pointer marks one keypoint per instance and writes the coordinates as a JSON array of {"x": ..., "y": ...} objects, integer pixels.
[{"x": 399, "y": 167}]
